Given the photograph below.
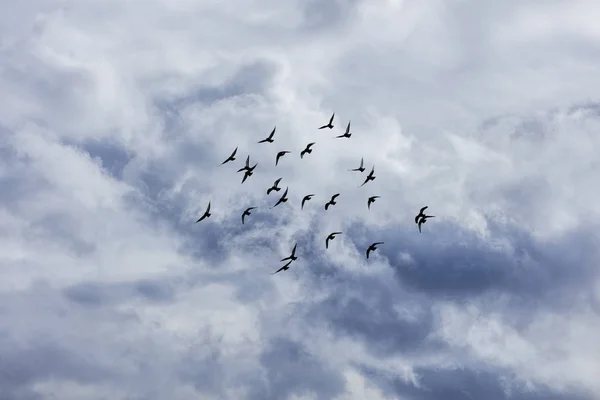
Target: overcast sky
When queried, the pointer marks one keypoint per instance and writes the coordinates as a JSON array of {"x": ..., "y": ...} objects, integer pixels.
[{"x": 115, "y": 116}]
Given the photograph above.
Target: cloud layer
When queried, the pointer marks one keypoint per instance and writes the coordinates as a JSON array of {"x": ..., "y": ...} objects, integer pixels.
[{"x": 115, "y": 116}]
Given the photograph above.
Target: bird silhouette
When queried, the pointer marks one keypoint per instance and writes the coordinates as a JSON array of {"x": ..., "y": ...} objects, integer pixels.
[
  {"x": 292, "y": 256},
  {"x": 370, "y": 177},
  {"x": 247, "y": 212},
  {"x": 329, "y": 124},
  {"x": 248, "y": 173},
  {"x": 269, "y": 138},
  {"x": 279, "y": 155},
  {"x": 331, "y": 237},
  {"x": 305, "y": 199},
  {"x": 245, "y": 167},
  {"x": 284, "y": 268},
  {"x": 360, "y": 169},
  {"x": 332, "y": 201},
  {"x": 283, "y": 198},
  {"x": 424, "y": 219},
  {"x": 206, "y": 213},
  {"x": 307, "y": 150},
  {"x": 420, "y": 214},
  {"x": 274, "y": 187},
  {"x": 346, "y": 134},
  {"x": 372, "y": 247},
  {"x": 371, "y": 201},
  {"x": 231, "y": 157}
]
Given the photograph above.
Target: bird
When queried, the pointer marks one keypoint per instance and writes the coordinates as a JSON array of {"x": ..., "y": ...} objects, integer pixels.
[
  {"x": 279, "y": 155},
  {"x": 206, "y": 213},
  {"x": 372, "y": 247},
  {"x": 231, "y": 157},
  {"x": 360, "y": 169},
  {"x": 371, "y": 200},
  {"x": 370, "y": 177},
  {"x": 305, "y": 199},
  {"x": 283, "y": 199},
  {"x": 292, "y": 256},
  {"x": 332, "y": 201},
  {"x": 331, "y": 237},
  {"x": 424, "y": 219},
  {"x": 245, "y": 167},
  {"x": 420, "y": 214},
  {"x": 284, "y": 268},
  {"x": 248, "y": 173},
  {"x": 307, "y": 149},
  {"x": 247, "y": 212},
  {"x": 269, "y": 138},
  {"x": 346, "y": 134},
  {"x": 329, "y": 124},
  {"x": 274, "y": 187}
]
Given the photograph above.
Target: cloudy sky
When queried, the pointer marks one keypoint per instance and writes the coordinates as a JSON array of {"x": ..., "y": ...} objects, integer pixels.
[{"x": 115, "y": 116}]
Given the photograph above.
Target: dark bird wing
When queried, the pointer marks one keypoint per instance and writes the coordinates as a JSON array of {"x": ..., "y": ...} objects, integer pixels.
[
  {"x": 331, "y": 119},
  {"x": 327, "y": 206},
  {"x": 348, "y": 128},
  {"x": 285, "y": 193},
  {"x": 272, "y": 133},
  {"x": 231, "y": 157},
  {"x": 423, "y": 209},
  {"x": 362, "y": 162},
  {"x": 246, "y": 175},
  {"x": 334, "y": 196},
  {"x": 420, "y": 223},
  {"x": 366, "y": 180},
  {"x": 205, "y": 215},
  {"x": 277, "y": 182},
  {"x": 369, "y": 249},
  {"x": 286, "y": 266},
  {"x": 294, "y": 250}
]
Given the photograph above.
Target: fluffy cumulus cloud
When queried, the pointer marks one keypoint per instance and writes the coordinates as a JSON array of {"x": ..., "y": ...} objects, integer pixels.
[{"x": 115, "y": 116}]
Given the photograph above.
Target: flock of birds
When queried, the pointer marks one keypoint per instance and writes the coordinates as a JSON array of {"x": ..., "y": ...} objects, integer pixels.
[{"x": 248, "y": 170}]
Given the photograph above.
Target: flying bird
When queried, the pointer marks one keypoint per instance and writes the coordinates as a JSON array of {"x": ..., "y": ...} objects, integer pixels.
[
  {"x": 247, "y": 212},
  {"x": 307, "y": 150},
  {"x": 424, "y": 219},
  {"x": 360, "y": 169},
  {"x": 331, "y": 237},
  {"x": 231, "y": 157},
  {"x": 284, "y": 268},
  {"x": 292, "y": 256},
  {"x": 274, "y": 187},
  {"x": 269, "y": 138},
  {"x": 279, "y": 155},
  {"x": 329, "y": 124},
  {"x": 420, "y": 214},
  {"x": 283, "y": 198},
  {"x": 206, "y": 213},
  {"x": 372, "y": 247},
  {"x": 305, "y": 199},
  {"x": 332, "y": 201},
  {"x": 371, "y": 201},
  {"x": 245, "y": 167},
  {"x": 370, "y": 177},
  {"x": 248, "y": 173},
  {"x": 346, "y": 134}
]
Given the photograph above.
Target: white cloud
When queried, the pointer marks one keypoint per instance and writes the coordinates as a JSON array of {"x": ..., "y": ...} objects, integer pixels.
[{"x": 115, "y": 117}]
